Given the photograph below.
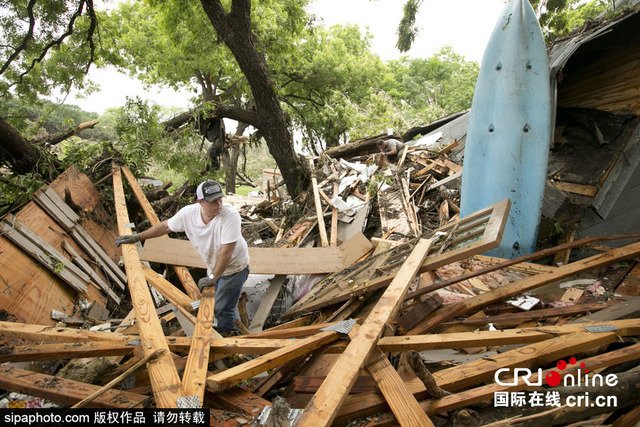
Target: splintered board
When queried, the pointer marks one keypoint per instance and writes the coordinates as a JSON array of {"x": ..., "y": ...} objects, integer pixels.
[
  {"x": 265, "y": 260},
  {"x": 468, "y": 236}
]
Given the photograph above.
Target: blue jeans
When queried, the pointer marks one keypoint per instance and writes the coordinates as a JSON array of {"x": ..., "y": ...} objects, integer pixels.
[{"x": 228, "y": 290}]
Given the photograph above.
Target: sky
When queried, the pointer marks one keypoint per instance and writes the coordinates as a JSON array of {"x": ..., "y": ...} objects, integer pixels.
[{"x": 466, "y": 25}]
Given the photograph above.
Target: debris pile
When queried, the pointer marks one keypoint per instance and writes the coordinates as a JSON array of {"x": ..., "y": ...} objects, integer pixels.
[{"x": 377, "y": 307}]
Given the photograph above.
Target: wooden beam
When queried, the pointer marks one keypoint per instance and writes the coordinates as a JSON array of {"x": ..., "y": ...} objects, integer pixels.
[
  {"x": 84, "y": 266},
  {"x": 334, "y": 213},
  {"x": 56, "y": 334},
  {"x": 487, "y": 392},
  {"x": 487, "y": 224},
  {"x": 316, "y": 197},
  {"x": 478, "y": 302},
  {"x": 533, "y": 355},
  {"x": 294, "y": 332},
  {"x": 69, "y": 220},
  {"x": 195, "y": 373},
  {"x": 183, "y": 274},
  {"x": 463, "y": 376},
  {"x": 65, "y": 392},
  {"x": 167, "y": 289},
  {"x": 147, "y": 359},
  {"x": 570, "y": 187},
  {"x": 461, "y": 340},
  {"x": 28, "y": 353},
  {"x": 238, "y": 399},
  {"x": 264, "y": 309},
  {"x": 244, "y": 371},
  {"x": 327, "y": 401},
  {"x": 457, "y": 340},
  {"x": 401, "y": 401},
  {"x": 163, "y": 374},
  {"x": 265, "y": 260},
  {"x": 44, "y": 253},
  {"x": 512, "y": 319}
]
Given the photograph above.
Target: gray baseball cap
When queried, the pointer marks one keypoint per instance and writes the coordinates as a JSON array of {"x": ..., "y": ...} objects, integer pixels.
[{"x": 209, "y": 191}]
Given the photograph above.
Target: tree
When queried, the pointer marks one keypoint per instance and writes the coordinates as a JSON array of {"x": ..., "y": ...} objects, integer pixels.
[
  {"x": 331, "y": 74},
  {"x": 234, "y": 28},
  {"x": 49, "y": 44},
  {"x": 228, "y": 64},
  {"x": 407, "y": 29},
  {"x": 557, "y": 18}
]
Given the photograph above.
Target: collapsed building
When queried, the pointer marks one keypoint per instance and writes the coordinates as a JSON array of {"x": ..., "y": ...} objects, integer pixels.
[{"x": 377, "y": 305}]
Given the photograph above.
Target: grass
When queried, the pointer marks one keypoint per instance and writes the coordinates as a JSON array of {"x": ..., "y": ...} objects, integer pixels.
[{"x": 243, "y": 190}]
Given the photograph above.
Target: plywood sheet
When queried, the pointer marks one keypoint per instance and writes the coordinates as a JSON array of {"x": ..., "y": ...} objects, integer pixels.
[
  {"x": 265, "y": 260},
  {"x": 27, "y": 290}
]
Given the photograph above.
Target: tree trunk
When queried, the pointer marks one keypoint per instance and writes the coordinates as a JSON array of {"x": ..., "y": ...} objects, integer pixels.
[
  {"x": 20, "y": 156},
  {"x": 230, "y": 157},
  {"x": 234, "y": 28}
]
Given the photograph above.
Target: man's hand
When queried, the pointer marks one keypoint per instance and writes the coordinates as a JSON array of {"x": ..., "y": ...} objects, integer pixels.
[
  {"x": 129, "y": 238},
  {"x": 205, "y": 282}
]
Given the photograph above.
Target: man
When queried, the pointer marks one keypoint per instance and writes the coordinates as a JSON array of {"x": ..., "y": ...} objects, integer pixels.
[
  {"x": 392, "y": 148},
  {"x": 214, "y": 230}
]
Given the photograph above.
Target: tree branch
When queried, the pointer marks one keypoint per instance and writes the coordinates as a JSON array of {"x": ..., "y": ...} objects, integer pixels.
[
  {"x": 59, "y": 40},
  {"x": 58, "y": 137},
  {"x": 27, "y": 37}
]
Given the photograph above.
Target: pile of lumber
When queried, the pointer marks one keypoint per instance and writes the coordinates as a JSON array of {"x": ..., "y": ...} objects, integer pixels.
[{"x": 415, "y": 327}]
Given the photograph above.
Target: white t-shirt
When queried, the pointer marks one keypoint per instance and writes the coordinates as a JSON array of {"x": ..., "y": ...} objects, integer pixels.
[{"x": 208, "y": 238}]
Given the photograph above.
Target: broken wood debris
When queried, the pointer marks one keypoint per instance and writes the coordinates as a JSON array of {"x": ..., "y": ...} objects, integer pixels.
[{"x": 398, "y": 312}]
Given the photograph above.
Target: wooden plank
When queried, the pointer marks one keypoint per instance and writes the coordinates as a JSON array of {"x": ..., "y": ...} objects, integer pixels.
[
  {"x": 57, "y": 334},
  {"x": 490, "y": 222},
  {"x": 238, "y": 399},
  {"x": 463, "y": 376},
  {"x": 570, "y": 187},
  {"x": 42, "y": 252},
  {"x": 325, "y": 404},
  {"x": 183, "y": 274},
  {"x": 457, "y": 340},
  {"x": 493, "y": 338},
  {"x": 23, "y": 279},
  {"x": 469, "y": 374},
  {"x": 195, "y": 373},
  {"x": 524, "y": 267},
  {"x": 28, "y": 353},
  {"x": 93, "y": 396},
  {"x": 163, "y": 374},
  {"x": 316, "y": 198},
  {"x": 244, "y": 371},
  {"x": 478, "y": 302},
  {"x": 65, "y": 392},
  {"x": 54, "y": 204},
  {"x": 309, "y": 384},
  {"x": 264, "y": 309},
  {"x": 487, "y": 392},
  {"x": 334, "y": 213},
  {"x": 263, "y": 260},
  {"x": 393, "y": 211},
  {"x": 294, "y": 332},
  {"x": 90, "y": 271},
  {"x": 99, "y": 256},
  {"x": 402, "y": 402},
  {"x": 512, "y": 319},
  {"x": 167, "y": 289}
]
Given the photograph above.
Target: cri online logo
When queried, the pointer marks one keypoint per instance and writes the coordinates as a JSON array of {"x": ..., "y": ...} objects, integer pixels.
[{"x": 553, "y": 378}]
